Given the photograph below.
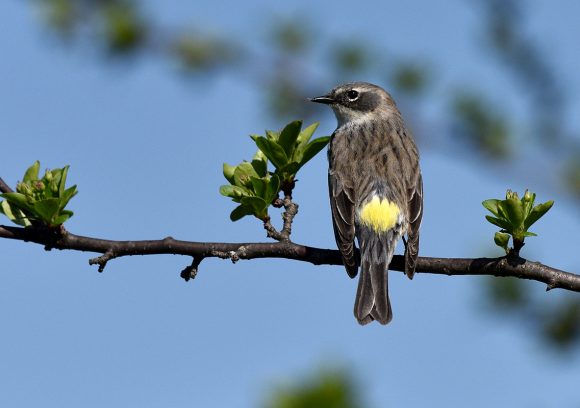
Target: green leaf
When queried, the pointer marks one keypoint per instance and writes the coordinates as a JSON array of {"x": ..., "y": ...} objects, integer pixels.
[
  {"x": 501, "y": 240},
  {"x": 491, "y": 205},
  {"x": 240, "y": 212},
  {"x": 271, "y": 135},
  {"x": 62, "y": 181},
  {"x": 273, "y": 188},
  {"x": 31, "y": 173},
  {"x": 14, "y": 214},
  {"x": 8, "y": 209},
  {"x": 291, "y": 168},
  {"x": 229, "y": 172},
  {"x": 227, "y": 190},
  {"x": 499, "y": 222},
  {"x": 529, "y": 234},
  {"x": 64, "y": 215},
  {"x": 302, "y": 142},
  {"x": 41, "y": 200},
  {"x": 234, "y": 192},
  {"x": 46, "y": 210},
  {"x": 260, "y": 166},
  {"x": 288, "y": 137},
  {"x": 17, "y": 199},
  {"x": 279, "y": 157},
  {"x": 67, "y": 195},
  {"x": 306, "y": 134},
  {"x": 259, "y": 155},
  {"x": 513, "y": 210},
  {"x": 537, "y": 212},
  {"x": 263, "y": 144},
  {"x": 257, "y": 204},
  {"x": 313, "y": 148},
  {"x": 273, "y": 151},
  {"x": 243, "y": 174},
  {"x": 528, "y": 202},
  {"x": 259, "y": 186}
]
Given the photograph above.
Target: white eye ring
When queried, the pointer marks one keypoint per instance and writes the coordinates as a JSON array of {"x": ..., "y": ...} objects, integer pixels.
[{"x": 352, "y": 95}]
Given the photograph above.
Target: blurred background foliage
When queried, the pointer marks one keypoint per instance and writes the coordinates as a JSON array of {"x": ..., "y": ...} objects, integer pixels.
[
  {"x": 329, "y": 388},
  {"x": 474, "y": 122}
]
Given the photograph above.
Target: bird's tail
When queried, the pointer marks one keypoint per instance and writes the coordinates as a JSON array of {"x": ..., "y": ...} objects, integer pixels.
[{"x": 372, "y": 296}]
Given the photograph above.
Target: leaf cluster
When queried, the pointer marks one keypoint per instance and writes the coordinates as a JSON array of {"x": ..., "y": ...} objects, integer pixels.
[
  {"x": 39, "y": 201},
  {"x": 255, "y": 187},
  {"x": 329, "y": 388},
  {"x": 515, "y": 216}
]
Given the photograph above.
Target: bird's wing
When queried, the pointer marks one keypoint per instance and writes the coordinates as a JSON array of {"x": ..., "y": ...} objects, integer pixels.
[
  {"x": 415, "y": 207},
  {"x": 342, "y": 207}
]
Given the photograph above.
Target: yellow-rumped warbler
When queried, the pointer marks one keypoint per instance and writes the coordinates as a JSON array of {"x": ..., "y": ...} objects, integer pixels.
[{"x": 376, "y": 190}]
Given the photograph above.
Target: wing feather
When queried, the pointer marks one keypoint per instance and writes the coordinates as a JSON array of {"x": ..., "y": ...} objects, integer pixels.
[
  {"x": 415, "y": 207},
  {"x": 342, "y": 207},
  {"x": 341, "y": 193}
]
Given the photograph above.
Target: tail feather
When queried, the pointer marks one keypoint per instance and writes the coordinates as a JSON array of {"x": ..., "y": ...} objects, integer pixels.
[
  {"x": 372, "y": 298},
  {"x": 365, "y": 298}
]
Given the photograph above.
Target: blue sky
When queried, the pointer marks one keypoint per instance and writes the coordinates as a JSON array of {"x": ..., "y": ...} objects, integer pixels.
[{"x": 146, "y": 150}]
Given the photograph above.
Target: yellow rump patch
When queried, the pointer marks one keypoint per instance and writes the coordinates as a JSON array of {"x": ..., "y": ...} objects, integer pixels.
[{"x": 380, "y": 215}]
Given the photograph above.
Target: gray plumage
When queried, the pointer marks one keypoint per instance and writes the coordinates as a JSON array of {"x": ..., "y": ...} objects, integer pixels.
[{"x": 372, "y": 156}]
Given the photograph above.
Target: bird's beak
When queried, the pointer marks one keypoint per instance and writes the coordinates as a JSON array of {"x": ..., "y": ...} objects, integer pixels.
[{"x": 326, "y": 99}]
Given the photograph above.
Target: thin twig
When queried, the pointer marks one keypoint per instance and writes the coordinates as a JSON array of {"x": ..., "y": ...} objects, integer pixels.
[
  {"x": 271, "y": 231},
  {"x": 102, "y": 260},
  {"x": 5, "y": 188},
  {"x": 291, "y": 209},
  {"x": 190, "y": 272}
]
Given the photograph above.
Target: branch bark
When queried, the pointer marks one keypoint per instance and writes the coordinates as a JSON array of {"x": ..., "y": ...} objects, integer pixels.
[
  {"x": 290, "y": 211},
  {"x": 512, "y": 266}
]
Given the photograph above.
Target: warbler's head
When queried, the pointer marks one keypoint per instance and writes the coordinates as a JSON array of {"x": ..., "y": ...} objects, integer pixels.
[{"x": 358, "y": 101}]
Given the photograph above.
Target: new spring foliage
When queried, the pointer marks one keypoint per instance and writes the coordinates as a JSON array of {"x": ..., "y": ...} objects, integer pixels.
[
  {"x": 515, "y": 216},
  {"x": 253, "y": 186},
  {"x": 39, "y": 201}
]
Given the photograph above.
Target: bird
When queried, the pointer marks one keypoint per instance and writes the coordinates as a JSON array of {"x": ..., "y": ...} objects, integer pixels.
[{"x": 376, "y": 191}]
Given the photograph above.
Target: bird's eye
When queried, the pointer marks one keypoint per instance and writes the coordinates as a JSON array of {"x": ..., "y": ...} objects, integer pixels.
[{"x": 352, "y": 94}]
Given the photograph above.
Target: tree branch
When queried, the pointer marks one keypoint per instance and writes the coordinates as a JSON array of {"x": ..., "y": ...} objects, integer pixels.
[
  {"x": 513, "y": 266},
  {"x": 290, "y": 211},
  {"x": 4, "y": 188}
]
